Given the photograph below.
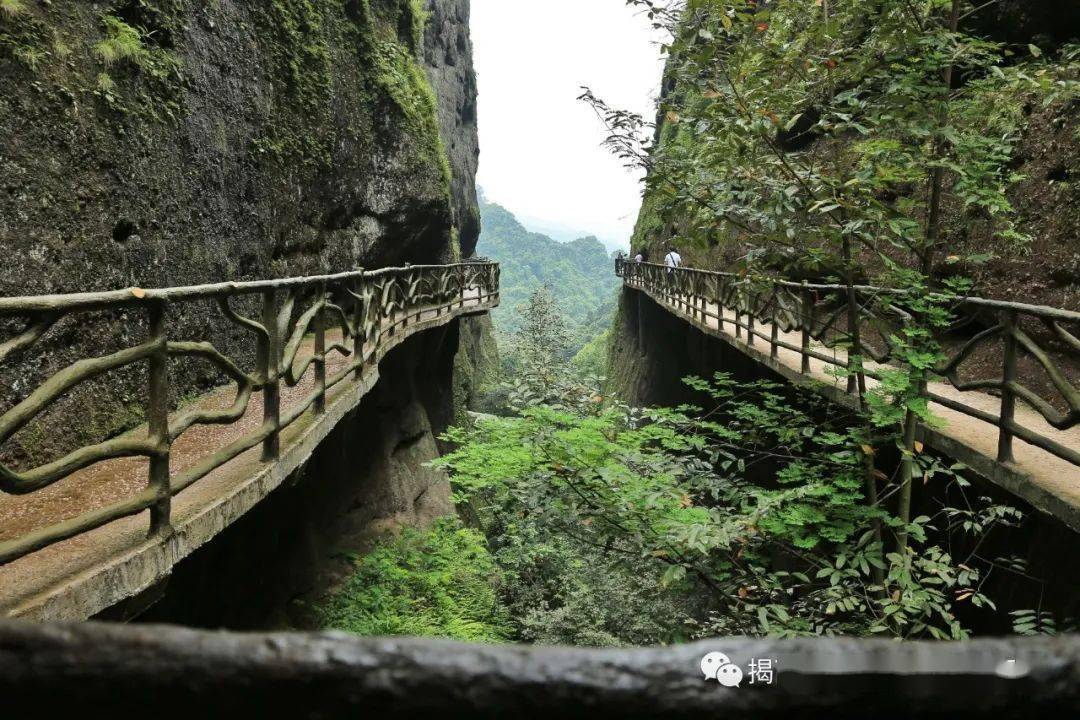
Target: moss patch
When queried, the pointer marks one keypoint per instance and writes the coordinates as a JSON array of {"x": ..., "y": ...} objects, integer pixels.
[
  {"x": 38, "y": 442},
  {"x": 114, "y": 53},
  {"x": 314, "y": 46}
]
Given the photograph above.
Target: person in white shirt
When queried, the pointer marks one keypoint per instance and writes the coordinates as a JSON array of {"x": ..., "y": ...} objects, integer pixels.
[
  {"x": 673, "y": 259},
  {"x": 639, "y": 258}
]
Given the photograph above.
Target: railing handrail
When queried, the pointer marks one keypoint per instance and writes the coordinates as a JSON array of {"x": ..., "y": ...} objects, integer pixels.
[
  {"x": 69, "y": 302},
  {"x": 1046, "y": 311},
  {"x": 798, "y": 306},
  {"x": 366, "y": 306}
]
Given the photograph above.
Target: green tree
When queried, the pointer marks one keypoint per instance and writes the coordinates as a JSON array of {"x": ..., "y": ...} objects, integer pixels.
[
  {"x": 676, "y": 495},
  {"x": 582, "y": 270},
  {"x": 537, "y": 367},
  {"x": 827, "y": 129},
  {"x": 833, "y": 139}
]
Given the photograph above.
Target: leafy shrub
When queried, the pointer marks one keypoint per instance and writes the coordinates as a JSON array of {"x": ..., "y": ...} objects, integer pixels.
[
  {"x": 11, "y": 8},
  {"x": 564, "y": 592},
  {"x": 438, "y": 583},
  {"x": 752, "y": 513}
]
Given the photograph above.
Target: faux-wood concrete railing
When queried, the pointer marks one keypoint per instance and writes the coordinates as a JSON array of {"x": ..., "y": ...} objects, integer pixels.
[
  {"x": 59, "y": 670},
  {"x": 863, "y": 320},
  {"x": 355, "y": 311}
]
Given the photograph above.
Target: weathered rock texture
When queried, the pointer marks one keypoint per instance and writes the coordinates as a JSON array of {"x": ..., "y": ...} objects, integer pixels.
[
  {"x": 173, "y": 673},
  {"x": 448, "y": 57},
  {"x": 180, "y": 142},
  {"x": 241, "y": 140}
]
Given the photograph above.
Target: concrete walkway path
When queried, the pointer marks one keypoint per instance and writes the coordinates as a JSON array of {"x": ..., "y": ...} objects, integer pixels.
[
  {"x": 77, "y": 578},
  {"x": 1048, "y": 482}
]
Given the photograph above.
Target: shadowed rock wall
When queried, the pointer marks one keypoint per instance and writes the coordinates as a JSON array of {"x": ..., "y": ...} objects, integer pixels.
[
  {"x": 368, "y": 477},
  {"x": 652, "y": 351}
]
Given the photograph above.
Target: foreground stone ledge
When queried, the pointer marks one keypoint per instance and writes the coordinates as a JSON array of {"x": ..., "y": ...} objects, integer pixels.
[{"x": 164, "y": 672}]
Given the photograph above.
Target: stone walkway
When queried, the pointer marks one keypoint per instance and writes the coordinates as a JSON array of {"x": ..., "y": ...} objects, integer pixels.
[
  {"x": 76, "y": 578},
  {"x": 1048, "y": 482}
]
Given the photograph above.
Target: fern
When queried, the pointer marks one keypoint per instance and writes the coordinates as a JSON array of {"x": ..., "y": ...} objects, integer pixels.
[
  {"x": 439, "y": 583},
  {"x": 123, "y": 43},
  {"x": 105, "y": 83},
  {"x": 30, "y": 57},
  {"x": 11, "y": 8}
]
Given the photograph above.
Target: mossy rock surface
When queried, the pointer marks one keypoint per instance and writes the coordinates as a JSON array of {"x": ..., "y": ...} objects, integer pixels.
[{"x": 181, "y": 142}]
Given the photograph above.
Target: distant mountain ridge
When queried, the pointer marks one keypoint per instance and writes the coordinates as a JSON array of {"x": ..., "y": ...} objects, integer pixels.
[
  {"x": 580, "y": 273},
  {"x": 566, "y": 233}
]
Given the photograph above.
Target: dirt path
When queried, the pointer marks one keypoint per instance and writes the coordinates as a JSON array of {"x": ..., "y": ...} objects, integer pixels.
[{"x": 112, "y": 481}]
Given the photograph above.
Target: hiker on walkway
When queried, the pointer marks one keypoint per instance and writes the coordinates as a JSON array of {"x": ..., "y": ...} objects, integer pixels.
[
  {"x": 640, "y": 257},
  {"x": 673, "y": 259}
]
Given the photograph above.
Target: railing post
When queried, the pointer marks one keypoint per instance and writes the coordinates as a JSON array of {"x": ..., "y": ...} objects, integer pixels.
[
  {"x": 461, "y": 284},
  {"x": 320, "y": 352},
  {"x": 854, "y": 351},
  {"x": 718, "y": 292},
  {"x": 1008, "y": 395},
  {"x": 774, "y": 338},
  {"x": 691, "y": 297},
  {"x": 688, "y": 298},
  {"x": 738, "y": 309},
  {"x": 359, "y": 318},
  {"x": 750, "y": 317},
  {"x": 807, "y": 322},
  {"x": 158, "y": 422},
  {"x": 856, "y": 358},
  {"x": 437, "y": 300},
  {"x": 270, "y": 369}
]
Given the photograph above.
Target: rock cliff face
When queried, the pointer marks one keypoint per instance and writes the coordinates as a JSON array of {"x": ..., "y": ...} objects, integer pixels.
[
  {"x": 176, "y": 142},
  {"x": 448, "y": 58},
  {"x": 1044, "y": 269},
  {"x": 181, "y": 142}
]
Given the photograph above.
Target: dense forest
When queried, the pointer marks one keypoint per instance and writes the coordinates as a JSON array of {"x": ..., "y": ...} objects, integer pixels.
[{"x": 580, "y": 275}]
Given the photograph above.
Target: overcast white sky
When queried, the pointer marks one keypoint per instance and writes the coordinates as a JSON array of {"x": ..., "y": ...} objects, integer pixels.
[{"x": 540, "y": 153}]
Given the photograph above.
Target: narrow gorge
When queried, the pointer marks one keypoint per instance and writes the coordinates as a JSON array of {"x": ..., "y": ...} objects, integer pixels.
[
  {"x": 178, "y": 143},
  {"x": 739, "y": 376}
]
